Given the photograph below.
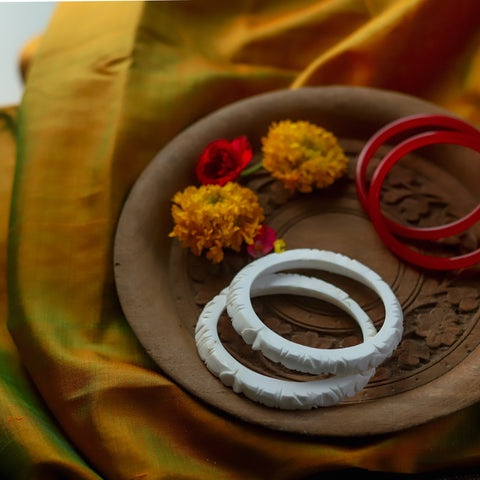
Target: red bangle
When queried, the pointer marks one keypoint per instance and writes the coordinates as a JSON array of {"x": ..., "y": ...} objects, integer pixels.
[
  {"x": 379, "y": 139},
  {"x": 378, "y": 220}
]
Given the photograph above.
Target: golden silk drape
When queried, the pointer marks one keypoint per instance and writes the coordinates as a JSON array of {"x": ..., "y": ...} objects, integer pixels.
[{"x": 108, "y": 85}]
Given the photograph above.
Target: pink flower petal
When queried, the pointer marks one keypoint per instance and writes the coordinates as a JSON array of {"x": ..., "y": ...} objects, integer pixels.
[{"x": 263, "y": 242}]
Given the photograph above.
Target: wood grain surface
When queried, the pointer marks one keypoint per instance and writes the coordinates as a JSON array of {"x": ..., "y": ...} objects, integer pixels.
[{"x": 162, "y": 287}]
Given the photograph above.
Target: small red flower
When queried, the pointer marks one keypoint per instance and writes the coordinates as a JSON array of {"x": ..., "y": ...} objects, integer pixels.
[
  {"x": 223, "y": 161},
  {"x": 263, "y": 242}
]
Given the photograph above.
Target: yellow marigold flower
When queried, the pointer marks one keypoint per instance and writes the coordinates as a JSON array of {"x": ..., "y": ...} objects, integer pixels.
[
  {"x": 302, "y": 155},
  {"x": 279, "y": 245},
  {"x": 213, "y": 217}
]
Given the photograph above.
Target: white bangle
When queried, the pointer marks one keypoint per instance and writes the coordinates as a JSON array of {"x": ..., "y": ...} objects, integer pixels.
[
  {"x": 284, "y": 394},
  {"x": 295, "y": 284},
  {"x": 342, "y": 361}
]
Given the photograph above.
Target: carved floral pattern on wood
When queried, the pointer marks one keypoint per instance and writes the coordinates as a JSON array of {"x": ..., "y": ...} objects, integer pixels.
[{"x": 441, "y": 310}]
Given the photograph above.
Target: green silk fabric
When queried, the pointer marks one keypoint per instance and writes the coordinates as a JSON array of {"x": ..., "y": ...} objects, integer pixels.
[{"x": 110, "y": 85}]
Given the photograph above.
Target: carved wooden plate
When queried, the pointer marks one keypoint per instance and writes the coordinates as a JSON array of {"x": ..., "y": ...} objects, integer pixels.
[{"x": 162, "y": 287}]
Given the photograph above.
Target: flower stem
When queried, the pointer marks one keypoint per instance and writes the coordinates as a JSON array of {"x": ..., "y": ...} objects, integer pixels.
[{"x": 253, "y": 169}]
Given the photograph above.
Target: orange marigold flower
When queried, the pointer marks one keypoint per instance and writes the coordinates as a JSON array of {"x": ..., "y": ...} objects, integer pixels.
[
  {"x": 214, "y": 217},
  {"x": 302, "y": 155}
]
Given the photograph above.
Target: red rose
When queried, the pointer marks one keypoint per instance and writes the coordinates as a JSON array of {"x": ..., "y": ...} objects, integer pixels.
[{"x": 223, "y": 161}]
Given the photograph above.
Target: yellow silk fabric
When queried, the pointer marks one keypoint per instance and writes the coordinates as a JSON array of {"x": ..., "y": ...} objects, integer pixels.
[{"x": 109, "y": 85}]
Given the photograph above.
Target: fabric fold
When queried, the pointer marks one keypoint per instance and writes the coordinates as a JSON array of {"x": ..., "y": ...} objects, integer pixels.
[{"x": 110, "y": 85}]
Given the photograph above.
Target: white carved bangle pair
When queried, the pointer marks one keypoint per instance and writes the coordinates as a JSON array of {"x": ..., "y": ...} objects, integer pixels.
[{"x": 352, "y": 367}]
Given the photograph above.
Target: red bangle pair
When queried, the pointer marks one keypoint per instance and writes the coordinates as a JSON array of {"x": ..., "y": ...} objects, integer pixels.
[{"x": 460, "y": 133}]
